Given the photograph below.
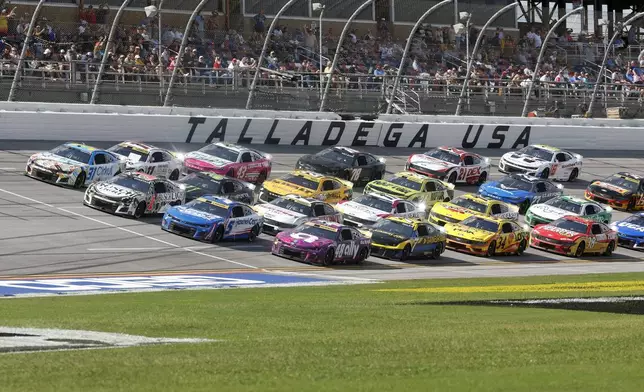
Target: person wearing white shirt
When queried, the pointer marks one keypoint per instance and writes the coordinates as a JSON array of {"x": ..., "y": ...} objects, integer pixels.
[{"x": 640, "y": 58}]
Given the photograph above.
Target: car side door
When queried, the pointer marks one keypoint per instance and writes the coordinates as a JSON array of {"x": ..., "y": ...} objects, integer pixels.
[
  {"x": 598, "y": 238},
  {"x": 157, "y": 164},
  {"x": 235, "y": 223},
  {"x": 246, "y": 160},
  {"x": 102, "y": 167},
  {"x": 348, "y": 246},
  {"x": 506, "y": 237},
  {"x": 590, "y": 211}
]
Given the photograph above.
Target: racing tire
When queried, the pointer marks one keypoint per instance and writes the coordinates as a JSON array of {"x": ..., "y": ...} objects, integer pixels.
[
  {"x": 438, "y": 251},
  {"x": 523, "y": 207},
  {"x": 362, "y": 256},
  {"x": 174, "y": 176},
  {"x": 631, "y": 205},
  {"x": 446, "y": 200},
  {"x": 329, "y": 256},
  {"x": 452, "y": 178},
  {"x": 218, "y": 235},
  {"x": 261, "y": 178},
  {"x": 231, "y": 173},
  {"x": 254, "y": 232},
  {"x": 522, "y": 247},
  {"x": 491, "y": 250},
  {"x": 80, "y": 180},
  {"x": 579, "y": 252},
  {"x": 140, "y": 210},
  {"x": 482, "y": 178},
  {"x": 609, "y": 249},
  {"x": 117, "y": 173},
  {"x": 380, "y": 175},
  {"x": 573, "y": 175},
  {"x": 545, "y": 174},
  {"x": 405, "y": 253}
]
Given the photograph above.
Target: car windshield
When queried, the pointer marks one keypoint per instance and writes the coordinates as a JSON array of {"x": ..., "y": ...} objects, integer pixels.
[
  {"x": 208, "y": 207},
  {"x": 317, "y": 232},
  {"x": 130, "y": 153},
  {"x": 132, "y": 183},
  {"x": 301, "y": 181},
  {"x": 566, "y": 224},
  {"x": 71, "y": 153},
  {"x": 515, "y": 183},
  {"x": 481, "y": 224},
  {"x": 335, "y": 155},
  {"x": 623, "y": 183},
  {"x": 637, "y": 220},
  {"x": 204, "y": 183},
  {"x": 564, "y": 204},
  {"x": 537, "y": 153},
  {"x": 444, "y": 156},
  {"x": 395, "y": 228},
  {"x": 293, "y": 206},
  {"x": 401, "y": 181},
  {"x": 470, "y": 204},
  {"x": 221, "y": 152},
  {"x": 374, "y": 202}
]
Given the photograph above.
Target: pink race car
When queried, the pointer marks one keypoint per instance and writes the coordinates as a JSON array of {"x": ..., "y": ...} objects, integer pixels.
[{"x": 230, "y": 160}]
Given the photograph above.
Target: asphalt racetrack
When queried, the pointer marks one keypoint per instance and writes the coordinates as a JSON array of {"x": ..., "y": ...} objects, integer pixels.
[{"x": 46, "y": 230}]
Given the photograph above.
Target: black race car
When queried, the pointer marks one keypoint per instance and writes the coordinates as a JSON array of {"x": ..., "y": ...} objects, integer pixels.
[
  {"x": 345, "y": 163},
  {"x": 205, "y": 183}
]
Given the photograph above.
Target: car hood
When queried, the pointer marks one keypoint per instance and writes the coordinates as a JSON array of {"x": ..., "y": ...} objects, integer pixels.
[
  {"x": 322, "y": 163},
  {"x": 360, "y": 210},
  {"x": 288, "y": 239},
  {"x": 608, "y": 189},
  {"x": 384, "y": 238},
  {"x": 468, "y": 233},
  {"x": 54, "y": 162},
  {"x": 193, "y": 216},
  {"x": 279, "y": 214},
  {"x": 201, "y": 160},
  {"x": 556, "y": 233},
  {"x": 114, "y": 191},
  {"x": 494, "y": 188},
  {"x": 454, "y": 211},
  {"x": 386, "y": 187},
  {"x": 282, "y": 188},
  {"x": 523, "y": 160},
  {"x": 430, "y": 163},
  {"x": 550, "y": 212},
  {"x": 630, "y": 229}
]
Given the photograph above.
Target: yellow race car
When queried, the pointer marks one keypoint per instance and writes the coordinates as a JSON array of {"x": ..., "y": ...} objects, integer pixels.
[
  {"x": 413, "y": 187},
  {"x": 487, "y": 236},
  {"x": 467, "y": 205},
  {"x": 402, "y": 238},
  {"x": 307, "y": 184}
]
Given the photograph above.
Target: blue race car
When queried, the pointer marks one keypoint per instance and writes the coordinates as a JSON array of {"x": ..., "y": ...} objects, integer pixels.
[
  {"x": 521, "y": 190},
  {"x": 211, "y": 218},
  {"x": 630, "y": 231}
]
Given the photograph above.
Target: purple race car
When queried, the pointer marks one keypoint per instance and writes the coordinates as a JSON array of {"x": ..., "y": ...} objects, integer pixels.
[{"x": 322, "y": 242}]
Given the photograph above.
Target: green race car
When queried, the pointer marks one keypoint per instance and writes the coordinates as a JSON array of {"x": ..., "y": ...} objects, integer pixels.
[
  {"x": 561, "y": 206},
  {"x": 413, "y": 187}
]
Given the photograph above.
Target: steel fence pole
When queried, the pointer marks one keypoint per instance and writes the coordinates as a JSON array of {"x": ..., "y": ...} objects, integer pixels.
[
  {"x": 253, "y": 84},
  {"x": 408, "y": 46},
  {"x": 107, "y": 50},
  {"x": 160, "y": 50},
  {"x": 182, "y": 48},
  {"x": 339, "y": 48},
  {"x": 23, "y": 53},
  {"x": 632, "y": 19},
  {"x": 541, "y": 53},
  {"x": 476, "y": 48}
]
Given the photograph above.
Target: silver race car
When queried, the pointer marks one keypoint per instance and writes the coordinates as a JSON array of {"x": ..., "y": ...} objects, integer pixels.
[{"x": 290, "y": 211}]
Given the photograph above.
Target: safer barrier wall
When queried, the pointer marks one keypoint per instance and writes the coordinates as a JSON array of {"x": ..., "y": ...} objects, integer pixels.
[{"x": 113, "y": 123}]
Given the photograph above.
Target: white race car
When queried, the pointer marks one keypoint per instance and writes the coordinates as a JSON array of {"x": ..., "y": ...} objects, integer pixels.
[
  {"x": 543, "y": 161},
  {"x": 368, "y": 209},
  {"x": 451, "y": 164},
  {"x": 290, "y": 211},
  {"x": 149, "y": 159}
]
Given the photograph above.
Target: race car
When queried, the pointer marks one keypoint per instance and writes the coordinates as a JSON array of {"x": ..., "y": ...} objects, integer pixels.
[
  {"x": 621, "y": 190},
  {"x": 521, "y": 190},
  {"x": 574, "y": 236},
  {"x": 74, "y": 164},
  {"x": 322, "y": 242},
  {"x": 134, "y": 194},
  {"x": 206, "y": 183},
  {"x": 230, "y": 160},
  {"x": 149, "y": 159},
  {"x": 554, "y": 209},
  {"x": 451, "y": 164},
  {"x": 307, "y": 184},
  {"x": 290, "y": 211},
  {"x": 544, "y": 162},
  {"x": 212, "y": 218},
  {"x": 401, "y": 238},
  {"x": 368, "y": 209},
  {"x": 467, "y": 205},
  {"x": 630, "y": 231},
  {"x": 487, "y": 236},
  {"x": 413, "y": 187},
  {"x": 346, "y": 163}
]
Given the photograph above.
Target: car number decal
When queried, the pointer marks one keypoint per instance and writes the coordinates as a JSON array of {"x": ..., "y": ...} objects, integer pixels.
[{"x": 304, "y": 237}]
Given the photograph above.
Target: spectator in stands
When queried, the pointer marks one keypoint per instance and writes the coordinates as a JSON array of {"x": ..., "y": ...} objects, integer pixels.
[
  {"x": 260, "y": 23},
  {"x": 103, "y": 13},
  {"x": 4, "y": 21},
  {"x": 640, "y": 58}
]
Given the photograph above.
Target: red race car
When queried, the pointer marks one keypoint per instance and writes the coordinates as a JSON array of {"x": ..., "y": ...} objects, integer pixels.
[
  {"x": 230, "y": 160},
  {"x": 451, "y": 164},
  {"x": 574, "y": 236}
]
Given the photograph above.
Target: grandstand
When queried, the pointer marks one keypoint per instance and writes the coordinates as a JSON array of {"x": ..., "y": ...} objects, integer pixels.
[{"x": 224, "y": 43}]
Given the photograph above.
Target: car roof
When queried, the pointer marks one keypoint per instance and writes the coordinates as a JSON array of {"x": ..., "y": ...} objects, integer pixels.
[
  {"x": 579, "y": 219},
  {"x": 454, "y": 150},
  {"x": 83, "y": 147},
  {"x": 219, "y": 200},
  {"x": 528, "y": 178},
  {"x": 310, "y": 175},
  {"x": 627, "y": 175},
  {"x": 383, "y": 197},
  {"x": 406, "y": 221},
  {"x": 478, "y": 198},
  {"x": 141, "y": 176},
  {"x": 493, "y": 219},
  {"x": 546, "y": 147},
  {"x": 414, "y": 176},
  {"x": 574, "y": 199},
  {"x": 345, "y": 150},
  {"x": 302, "y": 200},
  {"x": 331, "y": 226},
  {"x": 138, "y": 145}
]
